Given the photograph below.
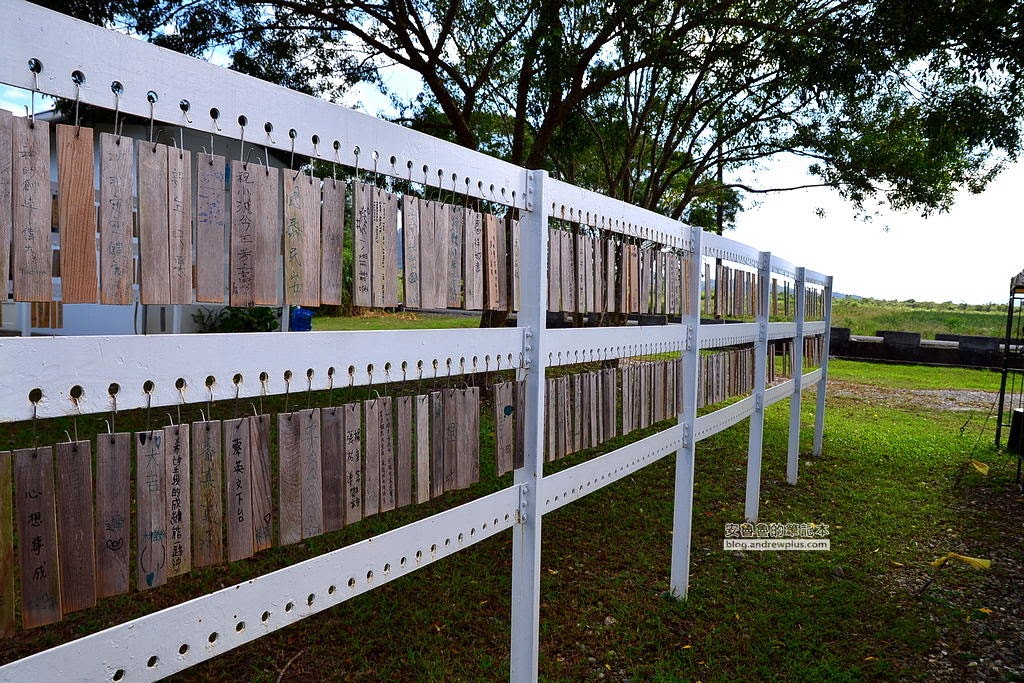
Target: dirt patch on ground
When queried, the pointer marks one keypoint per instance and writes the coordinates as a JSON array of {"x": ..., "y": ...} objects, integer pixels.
[{"x": 932, "y": 399}]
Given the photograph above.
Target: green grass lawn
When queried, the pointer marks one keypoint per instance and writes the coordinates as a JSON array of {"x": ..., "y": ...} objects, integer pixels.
[
  {"x": 394, "y": 321},
  {"x": 868, "y": 317}
]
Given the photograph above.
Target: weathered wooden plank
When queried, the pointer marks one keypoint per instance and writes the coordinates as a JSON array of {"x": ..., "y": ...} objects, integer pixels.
[
  {"x": 519, "y": 449},
  {"x": 302, "y": 239},
  {"x": 575, "y": 406},
  {"x": 371, "y": 461},
  {"x": 37, "y": 534},
  {"x": 262, "y": 498},
  {"x": 403, "y": 451},
  {"x": 554, "y": 270},
  {"x": 211, "y": 224},
  {"x": 456, "y": 236},
  {"x": 76, "y": 544},
  {"x": 177, "y": 464},
  {"x": 6, "y": 235},
  {"x": 385, "y": 429},
  {"x": 289, "y": 482},
  {"x": 179, "y": 221},
  {"x": 428, "y": 247},
  {"x": 437, "y": 440},
  {"x": 353, "y": 463},
  {"x": 76, "y": 215},
  {"x": 422, "y": 403},
  {"x": 151, "y": 510},
  {"x": 411, "y": 250},
  {"x": 33, "y": 211},
  {"x": 568, "y": 271},
  {"x": 580, "y": 275},
  {"x": 450, "y": 450},
  {"x": 550, "y": 419},
  {"x": 384, "y": 250},
  {"x": 463, "y": 439},
  {"x": 501, "y": 230},
  {"x": 245, "y": 207},
  {"x": 471, "y": 410},
  {"x": 593, "y": 386},
  {"x": 116, "y": 265},
  {"x": 491, "y": 283},
  {"x": 565, "y": 415},
  {"x": 442, "y": 230},
  {"x": 238, "y": 487},
  {"x": 599, "y": 287},
  {"x": 154, "y": 231},
  {"x": 7, "y": 598},
  {"x": 268, "y": 237},
  {"x": 473, "y": 268},
  {"x": 312, "y": 472},
  {"x": 515, "y": 260},
  {"x": 609, "y": 274},
  {"x": 207, "y": 496},
  {"x": 332, "y": 242},
  {"x": 332, "y": 453},
  {"x": 504, "y": 424}
]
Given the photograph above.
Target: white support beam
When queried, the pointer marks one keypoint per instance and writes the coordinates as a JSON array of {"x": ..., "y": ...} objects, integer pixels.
[
  {"x": 756, "y": 440},
  {"x": 793, "y": 449}
]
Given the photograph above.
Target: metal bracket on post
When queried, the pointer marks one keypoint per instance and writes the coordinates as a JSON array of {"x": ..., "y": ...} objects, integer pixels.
[
  {"x": 524, "y": 502},
  {"x": 527, "y": 348},
  {"x": 686, "y": 435},
  {"x": 689, "y": 337}
]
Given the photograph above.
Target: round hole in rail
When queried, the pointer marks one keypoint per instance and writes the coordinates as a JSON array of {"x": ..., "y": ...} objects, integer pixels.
[
  {"x": 243, "y": 120},
  {"x": 309, "y": 373},
  {"x": 287, "y": 375},
  {"x": 237, "y": 379},
  {"x": 214, "y": 113},
  {"x": 118, "y": 675},
  {"x": 152, "y": 97},
  {"x": 401, "y": 562},
  {"x": 310, "y": 599},
  {"x": 433, "y": 547},
  {"x": 240, "y": 626},
  {"x": 152, "y": 661},
  {"x": 330, "y": 372},
  {"x": 35, "y": 65},
  {"x": 369, "y": 575},
  {"x": 183, "y": 650},
  {"x": 264, "y": 377},
  {"x": 180, "y": 384},
  {"x": 419, "y": 555},
  {"x": 332, "y": 589},
  {"x": 210, "y": 381},
  {"x": 117, "y": 88},
  {"x": 36, "y": 395},
  {"x": 336, "y": 145},
  {"x": 315, "y": 139},
  {"x": 265, "y": 617},
  {"x": 447, "y": 542},
  {"x": 387, "y": 567},
  {"x": 461, "y": 538},
  {"x": 148, "y": 386},
  {"x": 289, "y": 607},
  {"x": 77, "y": 77},
  {"x": 352, "y": 582},
  {"x": 76, "y": 393},
  {"x": 213, "y": 637}
]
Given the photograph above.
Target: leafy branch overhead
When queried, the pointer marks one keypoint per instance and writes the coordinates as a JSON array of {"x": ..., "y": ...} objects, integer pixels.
[{"x": 656, "y": 102}]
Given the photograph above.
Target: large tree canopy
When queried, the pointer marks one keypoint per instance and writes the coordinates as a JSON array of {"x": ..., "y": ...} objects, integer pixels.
[{"x": 656, "y": 101}]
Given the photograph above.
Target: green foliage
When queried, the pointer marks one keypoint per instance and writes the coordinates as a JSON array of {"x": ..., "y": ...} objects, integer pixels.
[{"x": 237, "y": 319}]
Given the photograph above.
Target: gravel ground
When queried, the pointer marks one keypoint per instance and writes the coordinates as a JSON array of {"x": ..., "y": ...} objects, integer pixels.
[{"x": 935, "y": 399}]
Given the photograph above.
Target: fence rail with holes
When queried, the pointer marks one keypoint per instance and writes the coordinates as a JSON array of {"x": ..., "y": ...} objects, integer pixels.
[{"x": 431, "y": 226}]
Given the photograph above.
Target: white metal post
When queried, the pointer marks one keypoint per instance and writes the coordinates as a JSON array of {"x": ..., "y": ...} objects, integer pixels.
[
  {"x": 682, "y": 511},
  {"x": 756, "y": 440},
  {"x": 793, "y": 453},
  {"x": 176, "y": 319},
  {"x": 526, "y": 539},
  {"x": 24, "y": 318},
  {"x": 819, "y": 413}
]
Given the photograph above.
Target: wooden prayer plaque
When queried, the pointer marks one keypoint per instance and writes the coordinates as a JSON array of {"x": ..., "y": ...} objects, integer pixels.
[
  {"x": 501, "y": 230},
  {"x": 262, "y": 499},
  {"x": 332, "y": 452},
  {"x": 453, "y": 247},
  {"x": 353, "y": 463},
  {"x": 76, "y": 215},
  {"x": 467, "y": 472},
  {"x": 154, "y": 231},
  {"x": 151, "y": 510},
  {"x": 6, "y": 538},
  {"x": 289, "y": 486},
  {"x": 238, "y": 487},
  {"x": 6, "y": 234},
  {"x": 514, "y": 262},
  {"x": 504, "y": 423},
  {"x": 371, "y": 463},
  {"x": 403, "y": 451},
  {"x": 207, "y": 496},
  {"x": 332, "y": 242},
  {"x": 580, "y": 273},
  {"x": 422, "y": 448},
  {"x": 554, "y": 270},
  {"x": 312, "y": 473},
  {"x": 384, "y": 250},
  {"x": 179, "y": 211},
  {"x": 437, "y": 426},
  {"x": 568, "y": 271},
  {"x": 255, "y": 235},
  {"x": 428, "y": 261},
  {"x": 387, "y": 455},
  {"x": 301, "y": 239},
  {"x": 411, "y": 250},
  {"x": 117, "y": 272},
  {"x": 210, "y": 228},
  {"x": 491, "y": 278},
  {"x": 76, "y": 550},
  {"x": 37, "y": 531},
  {"x": 33, "y": 211},
  {"x": 179, "y": 504},
  {"x": 474, "y": 260},
  {"x": 362, "y": 293},
  {"x": 442, "y": 230},
  {"x": 451, "y": 439}
]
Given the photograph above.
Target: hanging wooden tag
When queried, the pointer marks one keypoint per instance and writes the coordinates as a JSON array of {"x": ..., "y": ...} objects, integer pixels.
[
  {"x": 76, "y": 215},
  {"x": 371, "y": 461},
  {"x": 593, "y": 403},
  {"x": 411, "y": 250},
  {"x": 474, "y": 260},
  {"x": 501, "y": 230},
  {"x": 262, "y": 499},
  {"x": 386, "y": 441},
  {"x": 37, "y": 531},
  {"x": 599, "y": 274},
  {"x": 439, "y": 253},
  {"x": 6, "y": 215},
  {"x": 353, "y": 463},
  {"x": 238, "y": 488},
  {"x": 384, "y": 248},
  {"x": 588, "y": 269},
  {"x": 550, "y": 419},
  {"x": 554, "y": 270},
  {"x": 428, "y": 262},
  {"x": 6, "y": 541},
  {"x": 580, "y": 259},
  {"x": 301, "y": 239},
  {"x": 332, "y": 452},
  {"x": 207, "y": 497},
  {"x": 609, "y": 275},
  {"x": 597, "y": 407},
  {"x": 76, "y": 550},
  {"x": 362, "y": 287},
  {"x": 565, "y": 416},
  {"x": 519, "y": 450},
  {"x": 583, "y": 408},
  {"x": 422, "y": 403},
  {"x": 491, "y": 283},
  {"x": 467, "y": 471},
  {"x": 504, "y": 424},
  {"x": 332, "y": 242},
  {"x": 179, "y": 212},
  {"x": 289, "y": 484},
  {"x": 627, "y": 397},
  {"x": 403, "y": 451},
  {"x": 154, "y": 231},
  {"x": 210, "y": 228},
  {"x": 573, "y": 406},
  {"x": 515, "y": 250},
  {"x": 568, "y": 272},
  {"x": 179, "y": 504},
  {"x": 117, "y": 273},
  {"x": 151, "y": 510},
  {"x": 455, "y": 238},
  {"x": 255, "y": 234},
  {"x": 312, "y": 472},
  {"x": 437, "y": 439},
  {"x": 33, "y": 210},
  {"x": 451, "y": 439},
  {"x": 113, "y": 454}
]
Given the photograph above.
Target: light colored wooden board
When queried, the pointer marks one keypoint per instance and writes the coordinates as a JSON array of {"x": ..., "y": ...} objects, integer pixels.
[
  {"x": 551, "y": 419},
  {"x": 312, "y": 472},
  {"x": 37, "y": 534},
  {"x": 515, "y": 262},
  {"x": 76, "y": 215},
  {"x": 471, "y": 409},
  {"x": 179, "y": 221},
  {"x": 117, "y": 270},
  {"x": 504, "y": 424},
  {"x": 491, "y": 283},
  {"x": 442, "y": 230},
  {"x": 384, "y": 266},
  {"x": 152, "y": 551},
  {"x": 501, "y": 230},
  {"x": 554, "y": 270},
  {"x": 301, "y": 239},
  {"x": 568, "y": 271},
  {"x": 422, "y": 403},
  {"x": 609, "y": 273},
  {"x": 207, "y": 495},
  {"x": 627, "y": 389},
  {"x": 473, "y": 266},
  {"x": 177, "y": 463},
  {"x": 76, "y": 547},
  {"x": 268, "y": 237},
  {"x": 332, "y": 242},
  {"x": 599, "y": 287},
  {"x": 238, "y": 487},
  {"x": 33, "y": 210},
  {"x": 245, "y": 206},
  {"x": 411, "y": 250},
  {"x": 565, "y": 415},
  {"x": 385, "y": 429},
  {"x": 353, "y": 462},
  {"x": 593, "y": 385},
  {"x": 437, "y": 439},
  {"x": 428, "y": 264},
  {"x": 262, "y": 476},
  {"x": 332, "y": 452},
  {"x": 211, "y": 226},
  {"x": 450, "y": 450},
  {"x": 154, "y": 231},
  {"x": 576, "y": 410},
  {"x": 580, "y": 272},
  {"x": 7, "y": 598},
  {"x": 6, "y": 231},
  {"x": 403, "y": 451},
  {"x": 371, "y": 457},
  {"x": 362, "y": 287},
  {"x": 289, "y": 482},
  {"x": 454, "y": 243}
]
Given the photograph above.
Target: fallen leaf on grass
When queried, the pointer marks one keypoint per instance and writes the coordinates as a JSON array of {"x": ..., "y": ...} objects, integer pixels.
[
  {"x": 985, "y": 610},
  {"x": 975, "y": 562}
]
